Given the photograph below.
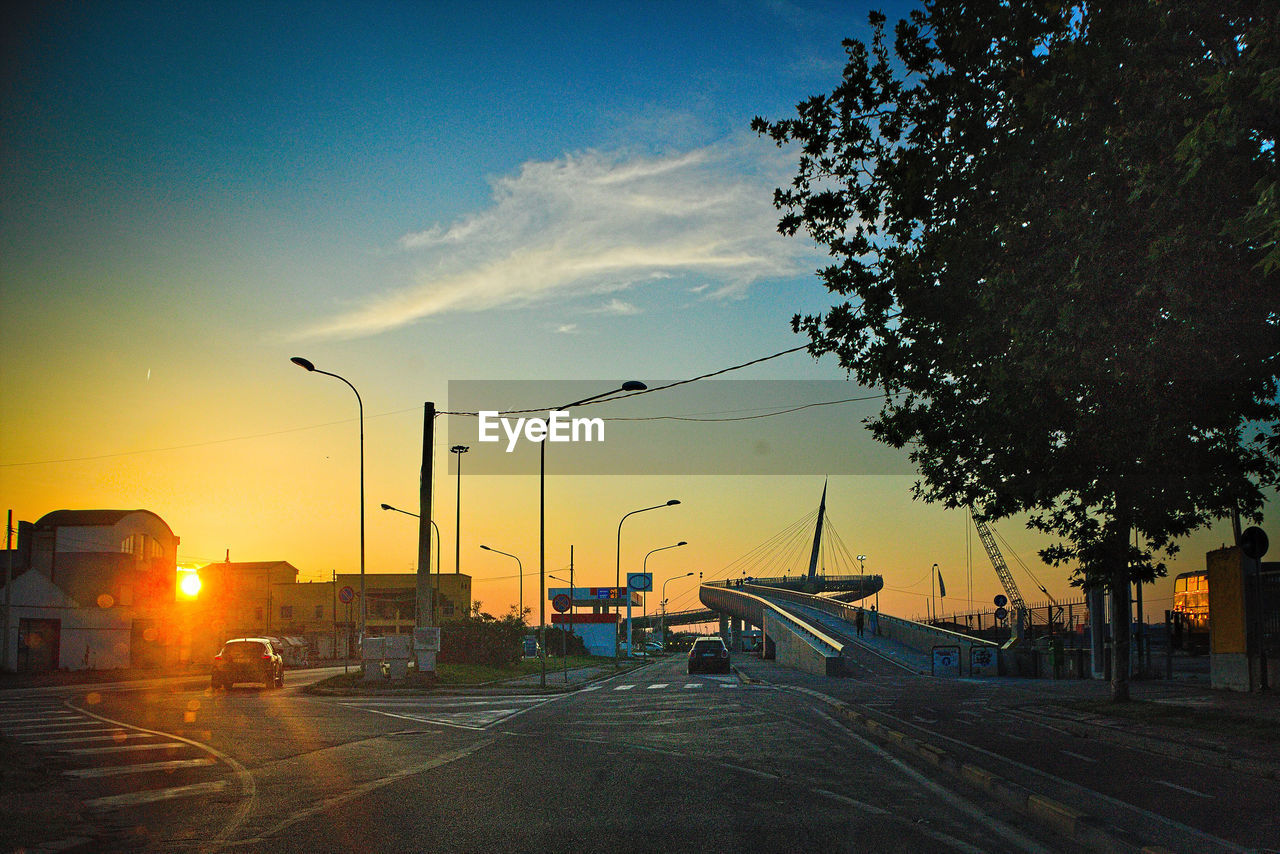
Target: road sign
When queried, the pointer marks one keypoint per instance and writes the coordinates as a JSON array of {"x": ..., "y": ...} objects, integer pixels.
[
  {"x": 561, "y": 602},
  {"x": 640, "y": 581},
  {"x": 946, "y": 661},
  {"x": 1001, "y": 613},
  {"x": 1001, "y": 600},
  {"x": 346, "y": 594}
]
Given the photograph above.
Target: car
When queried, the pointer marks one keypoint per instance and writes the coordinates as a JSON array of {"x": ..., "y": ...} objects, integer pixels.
[
  {"x": 709, "y": 655},
  {"x": 247, "y": 660}
]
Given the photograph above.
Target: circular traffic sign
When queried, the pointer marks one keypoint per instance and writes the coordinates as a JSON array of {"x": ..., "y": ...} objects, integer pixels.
[
  {"x": 640, "y": 582},
  {"x": 346, "y": 595},
  {"x": 560, "y": 602},
  {"x": 1001, "y": 613},
  {"x": 1001, "y": 600}
]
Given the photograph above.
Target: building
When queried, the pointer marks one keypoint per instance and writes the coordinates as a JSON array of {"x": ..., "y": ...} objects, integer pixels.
[
  {"x": 266, "y": 599},
  {"x": 90, "y": 589}
]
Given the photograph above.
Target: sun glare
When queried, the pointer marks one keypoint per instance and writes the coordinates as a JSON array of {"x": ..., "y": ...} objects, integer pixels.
[{"x": 189, "y": 584}]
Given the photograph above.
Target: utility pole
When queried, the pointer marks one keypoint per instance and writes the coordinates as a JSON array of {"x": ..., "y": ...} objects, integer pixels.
[{"x": 424, "y": 604}]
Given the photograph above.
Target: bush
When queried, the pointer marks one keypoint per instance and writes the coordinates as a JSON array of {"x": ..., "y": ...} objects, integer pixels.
[{"x": 481, "y": 639}]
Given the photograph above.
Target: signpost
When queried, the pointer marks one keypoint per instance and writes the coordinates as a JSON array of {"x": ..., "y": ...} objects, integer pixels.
[{"x": 639, "y": 582}]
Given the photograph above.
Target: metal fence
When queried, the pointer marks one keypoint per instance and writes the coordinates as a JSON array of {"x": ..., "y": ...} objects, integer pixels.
[{"x": 1067, "y": 620}]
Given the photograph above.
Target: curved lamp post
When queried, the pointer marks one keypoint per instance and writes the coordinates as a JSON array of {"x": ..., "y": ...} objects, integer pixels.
[
  {"x": 664, "y": 603},
  {"x": 436, "y": 589},
  {"x": 644, "y": 567},
  {"x": 629, "y": 385},
  {"x": 306, "y": 365},
  {"x": 519, "y": 569},
  {"x": 617, "y": 568}
]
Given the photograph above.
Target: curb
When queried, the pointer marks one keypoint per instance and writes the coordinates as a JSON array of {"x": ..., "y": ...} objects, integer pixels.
[{"x": 1071, "y": 823}]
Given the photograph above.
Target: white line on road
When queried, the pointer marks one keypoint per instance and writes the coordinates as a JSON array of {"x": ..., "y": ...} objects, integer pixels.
[
  {"x": 143, "y": 768},
  {"x": 121, "y": 748},
  {"x": 86, "y": 739},
  {"x": 1080, "y": 756},
  {"x": 657, "y": 685},
  {"x": 150, "y": 796},
  {"x": 1183, "y": 789},
  {"x": 624, "y": 688},
  {"x": 693, "y": 685}
]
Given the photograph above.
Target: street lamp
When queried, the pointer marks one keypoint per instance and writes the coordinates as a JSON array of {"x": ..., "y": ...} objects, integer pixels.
[
  {"x": 629, "y": 385},
  {"x": 644, "y": 567},
  {"x": 617, "y": 568},
  {"x": 459, "y": 450},
  {"x": 933, "y": 607},
  {"x": 664, "y": 603},
  {"x": 519, "y": 569},
  {"x": 306, "y": 365},
  {"x": 436, "y": 590},
  {"x": 862, "y": 566}
]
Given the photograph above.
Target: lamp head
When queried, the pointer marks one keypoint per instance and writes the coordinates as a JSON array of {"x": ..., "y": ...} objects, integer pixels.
[
  {"x": 682, "y": 543},
  {"x": 303, "y": 363},
  {"x": 387, "y": 507},
  {"x": 673, "y": 502},
  {"x": 486, "y": 548},
  {"x": 634, "y": 385}
]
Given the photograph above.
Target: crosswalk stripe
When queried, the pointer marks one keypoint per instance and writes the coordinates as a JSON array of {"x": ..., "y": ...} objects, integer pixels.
[
  {"x": 123, "y": 748},
  {"x": 624, "y": 688},
  {"x": 142, "y": 768},
  {"x": 693, "y": 685},
  {"x": 149, "y": 796},
  {"x": 657, "y": 685},
  {"x": 85, "y": 739}
]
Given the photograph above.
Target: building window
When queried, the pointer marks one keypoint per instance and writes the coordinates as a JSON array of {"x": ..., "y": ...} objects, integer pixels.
[
  {"x": 319, "y": 612},
  {"x": 142, "y": 547},
  {"x": 286, "y": 612}
]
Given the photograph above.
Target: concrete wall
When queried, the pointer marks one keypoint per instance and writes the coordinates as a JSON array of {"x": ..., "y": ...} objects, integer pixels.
[{"x": 795, "y": 648}]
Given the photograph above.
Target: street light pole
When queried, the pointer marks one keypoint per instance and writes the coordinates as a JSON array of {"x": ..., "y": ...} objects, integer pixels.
[
  {"x": 308, "y": 366},
  {"x": 436, "y": 590},
  {"x": 664, "y": 603},
  {"x": 459, "y": 450},
  {"x": 629, "y": 385},
  {"x": 644, "y": 568},
  {"x": 519, "y": 569},
  {"x": 617, "y": 569}
]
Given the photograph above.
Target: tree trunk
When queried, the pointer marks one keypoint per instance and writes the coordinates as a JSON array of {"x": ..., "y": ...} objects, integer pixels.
[{"x": 1119, "y": 558}]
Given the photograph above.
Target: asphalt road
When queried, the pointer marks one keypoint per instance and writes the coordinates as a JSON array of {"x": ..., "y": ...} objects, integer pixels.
[{"x": 650, "y": 760}]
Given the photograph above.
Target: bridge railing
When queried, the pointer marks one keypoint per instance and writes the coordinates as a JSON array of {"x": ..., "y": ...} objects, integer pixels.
[
  {"x": 920, "y": 637},
  {"x": 796, "y": 642}
]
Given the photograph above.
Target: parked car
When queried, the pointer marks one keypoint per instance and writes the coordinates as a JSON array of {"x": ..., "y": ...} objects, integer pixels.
[
  {"x": 247, "y": 660},
  {"x": 709, "y": 655}
]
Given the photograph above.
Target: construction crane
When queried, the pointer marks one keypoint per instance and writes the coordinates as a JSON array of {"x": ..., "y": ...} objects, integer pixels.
[{"x": 1002, "y": 569}]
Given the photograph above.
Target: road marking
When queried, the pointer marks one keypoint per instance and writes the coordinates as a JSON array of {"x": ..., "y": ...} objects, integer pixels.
[
  {"x": 591, "y": 688},
  {"x": 693, "y": 685},
  {"x": 149, "y": 796},
  {"x": 84, "y": 739},
  {"x": 850, "y": 802},
  {"x": 145, "y": 767},
  {"x": 1183, "y": 789},
  {"x": 1080, "y": 756},
  {"x": 122, "y": 748},
  {"x": 624, "y": 688},
  {"x": 34, "y": 729},
  {"x": 657, "y": 685}
]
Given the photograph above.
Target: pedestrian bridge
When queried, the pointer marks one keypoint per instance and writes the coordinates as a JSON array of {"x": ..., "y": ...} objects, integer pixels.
[{"x": 811, "y": 633}]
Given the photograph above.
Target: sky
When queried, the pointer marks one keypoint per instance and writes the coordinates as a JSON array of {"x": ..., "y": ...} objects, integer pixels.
[{"x": 419, "y": 196}]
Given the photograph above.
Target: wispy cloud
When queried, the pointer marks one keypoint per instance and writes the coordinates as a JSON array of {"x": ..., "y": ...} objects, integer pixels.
[
  {"x": 616, "y": 308},
  {"x": 594, "y": 223}
]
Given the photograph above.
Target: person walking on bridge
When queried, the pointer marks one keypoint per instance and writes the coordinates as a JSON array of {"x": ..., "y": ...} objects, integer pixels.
[{"x": 857, "y": 621}]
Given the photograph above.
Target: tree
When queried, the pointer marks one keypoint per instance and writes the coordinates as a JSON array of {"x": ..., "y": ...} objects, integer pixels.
[{"x": 1049, "y": 230}]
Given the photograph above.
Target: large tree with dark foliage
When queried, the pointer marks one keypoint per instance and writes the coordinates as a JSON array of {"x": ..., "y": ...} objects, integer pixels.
[{"x": 1053, "y": 238}]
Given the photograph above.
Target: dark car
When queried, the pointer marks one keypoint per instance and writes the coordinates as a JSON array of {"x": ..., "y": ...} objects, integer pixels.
[
  {"x": 247, "y": 660},
  {"x": 709, "y": 655}
]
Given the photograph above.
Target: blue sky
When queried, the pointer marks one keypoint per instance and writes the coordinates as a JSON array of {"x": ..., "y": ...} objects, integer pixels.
[{"x": 407, "y": 194}]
